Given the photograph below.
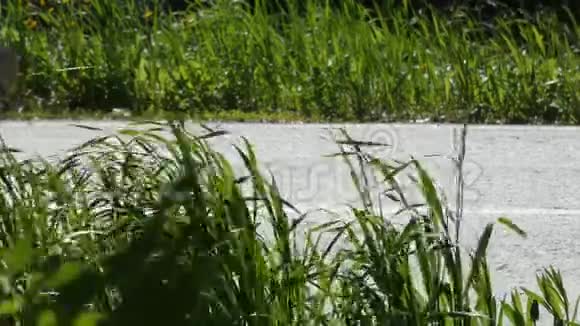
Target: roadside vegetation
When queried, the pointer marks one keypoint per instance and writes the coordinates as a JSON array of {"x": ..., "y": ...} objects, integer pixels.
[
  {"x": 154, "y": 227},
  {"x": 151, "y": 226},
  {"x": 343, "y": 61}
]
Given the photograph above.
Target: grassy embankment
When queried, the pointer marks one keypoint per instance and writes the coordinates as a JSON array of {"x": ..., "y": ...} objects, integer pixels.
[
  {"x": 143, "y": 230},
  {"x": 326, "y": 63},
  {"x": 136, "y": 235}
]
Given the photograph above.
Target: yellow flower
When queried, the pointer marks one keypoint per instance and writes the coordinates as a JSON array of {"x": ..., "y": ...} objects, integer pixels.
[
  {"x": 31, "y": 23},
  {"x": 148, "y": 13}
]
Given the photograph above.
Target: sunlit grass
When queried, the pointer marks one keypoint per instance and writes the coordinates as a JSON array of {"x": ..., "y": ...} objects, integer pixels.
[
  {"x": 321, "y": 63},
  {"x": 153, "y": 227}
]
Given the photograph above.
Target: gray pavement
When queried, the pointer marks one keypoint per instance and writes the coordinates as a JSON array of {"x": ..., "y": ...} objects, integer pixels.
[{"x": 530, "y": 174}]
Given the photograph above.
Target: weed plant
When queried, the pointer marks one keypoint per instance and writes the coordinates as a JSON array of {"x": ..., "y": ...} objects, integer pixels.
[
  {"x": 151, "y": 226},
  {"x": 314, "y": 62}
]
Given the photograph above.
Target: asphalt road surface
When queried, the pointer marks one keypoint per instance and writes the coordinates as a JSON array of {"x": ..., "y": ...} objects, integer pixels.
[{"x": 527, "y": 173}]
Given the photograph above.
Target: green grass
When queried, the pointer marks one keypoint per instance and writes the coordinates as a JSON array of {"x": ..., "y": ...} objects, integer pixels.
[
  {"x": 153, "y": 227},
  {"x": 321, "y": 64}
]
